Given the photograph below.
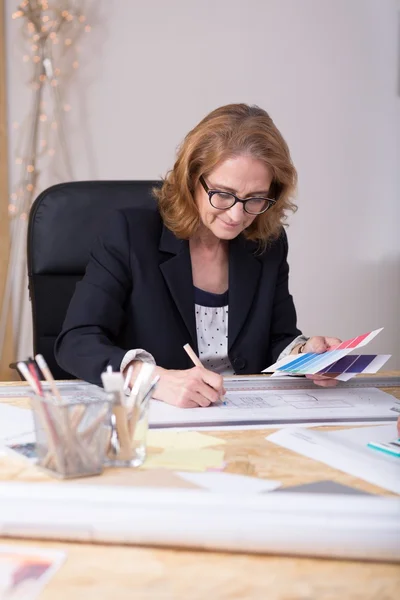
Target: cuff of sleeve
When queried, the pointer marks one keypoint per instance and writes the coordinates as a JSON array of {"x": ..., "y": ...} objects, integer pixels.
[
  {"x": 301, "y": 339},
  {"x": 138, "y": 354}
]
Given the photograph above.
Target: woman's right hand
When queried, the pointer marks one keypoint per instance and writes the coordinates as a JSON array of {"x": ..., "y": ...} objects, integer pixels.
[{"x": 192, "y": 388}]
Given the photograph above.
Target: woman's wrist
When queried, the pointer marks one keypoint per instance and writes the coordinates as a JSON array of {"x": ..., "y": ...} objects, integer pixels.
[
  {"x": 136, "y": 366},
  {"x": 299, "y": 348}
]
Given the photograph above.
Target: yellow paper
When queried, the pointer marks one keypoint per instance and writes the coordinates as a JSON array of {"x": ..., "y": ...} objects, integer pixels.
[
  {"x": 181, "y": 439},
  {"x": 186, "y": 460}
]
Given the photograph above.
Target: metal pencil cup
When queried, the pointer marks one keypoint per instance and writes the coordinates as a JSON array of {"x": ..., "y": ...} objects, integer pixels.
[
  {"x": 71, "y": 436},
  {"x": 130, "y": 422}
]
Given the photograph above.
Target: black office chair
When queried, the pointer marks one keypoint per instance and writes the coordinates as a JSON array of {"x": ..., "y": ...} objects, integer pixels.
[{"x": 63, "y": 223}]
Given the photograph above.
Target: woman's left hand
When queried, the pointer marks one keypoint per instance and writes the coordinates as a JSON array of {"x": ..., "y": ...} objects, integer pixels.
[{"x": 320, "y": 344}]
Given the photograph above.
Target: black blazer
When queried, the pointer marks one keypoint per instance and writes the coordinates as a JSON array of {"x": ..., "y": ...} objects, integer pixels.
[{"x": 138, "y": 293}]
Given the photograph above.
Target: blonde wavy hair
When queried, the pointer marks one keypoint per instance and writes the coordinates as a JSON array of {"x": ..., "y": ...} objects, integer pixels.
[{"x": 228, "y": 131}]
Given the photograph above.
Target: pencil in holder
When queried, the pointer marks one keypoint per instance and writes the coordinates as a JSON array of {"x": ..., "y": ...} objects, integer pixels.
[{"x": 71, "y": 436}]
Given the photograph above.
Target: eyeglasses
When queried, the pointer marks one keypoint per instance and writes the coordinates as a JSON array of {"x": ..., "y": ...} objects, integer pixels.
[{"x": 225, "y": 200}]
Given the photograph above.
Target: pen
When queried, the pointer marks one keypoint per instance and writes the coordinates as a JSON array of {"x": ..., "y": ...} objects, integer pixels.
[
  {"x": 42, "y": 364},
  {"x": 140, "y": 405},
  {"x": 26, "y": 373},
  {"x": 196, "y": 361},
  {"x": 30, "y": 374},
  {"x": 128, "y": 379}
]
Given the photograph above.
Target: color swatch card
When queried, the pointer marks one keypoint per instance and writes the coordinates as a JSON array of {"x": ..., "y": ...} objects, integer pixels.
[{"x": 335, "y": 363}]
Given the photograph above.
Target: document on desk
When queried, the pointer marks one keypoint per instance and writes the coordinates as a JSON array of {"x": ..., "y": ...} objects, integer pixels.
[
  {"x": 15, "y": 423},
  {"x": 348, "y": 451},
  {"x": 248, "y": 403},
  {"x": 248, "y": 406}
]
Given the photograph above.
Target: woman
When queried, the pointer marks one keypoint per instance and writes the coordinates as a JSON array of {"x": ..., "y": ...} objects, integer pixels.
[{"x": 207, "y": 267}]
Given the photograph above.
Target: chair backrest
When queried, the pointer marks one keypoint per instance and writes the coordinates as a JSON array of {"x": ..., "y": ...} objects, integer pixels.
[{"x": 63, "y": 223}]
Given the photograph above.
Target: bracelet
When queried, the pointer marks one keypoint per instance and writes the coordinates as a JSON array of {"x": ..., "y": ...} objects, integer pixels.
[{"x": 301, "y": 348}]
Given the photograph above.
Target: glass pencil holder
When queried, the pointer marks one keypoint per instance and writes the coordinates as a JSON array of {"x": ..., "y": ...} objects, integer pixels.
[
  {"x": 127, "y": 445},
  {"x": 71, "y": 435},
  {"x": 127, "y": 442}
]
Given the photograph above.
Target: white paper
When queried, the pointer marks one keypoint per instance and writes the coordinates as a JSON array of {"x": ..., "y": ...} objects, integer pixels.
[
  {"x": 256, "y": 426},
  {"x": 347, "y": 450},
  {"x": 230, "y": 483},
  {"x": 357, "y": 527},
  {"x": 14, "y": 422},
  {"x": 247, "y": 405}
]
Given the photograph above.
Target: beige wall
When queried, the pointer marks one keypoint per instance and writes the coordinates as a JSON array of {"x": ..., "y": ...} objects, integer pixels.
[
  {"x": 6, "y": 354},
  {"x": 324, "y": 69}
]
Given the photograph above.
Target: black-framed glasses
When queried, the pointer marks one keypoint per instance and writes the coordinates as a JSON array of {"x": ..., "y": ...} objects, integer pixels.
[{"x": 225, "y": 200}]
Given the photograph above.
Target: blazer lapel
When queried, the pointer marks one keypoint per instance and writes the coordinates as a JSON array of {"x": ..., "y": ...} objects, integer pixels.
[
  {"x": 244, "y": 275},
  {"x": 177, "y": 272}
]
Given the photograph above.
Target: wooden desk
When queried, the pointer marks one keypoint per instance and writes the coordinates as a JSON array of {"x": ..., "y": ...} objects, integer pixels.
[{"x": 117, "y": 572}]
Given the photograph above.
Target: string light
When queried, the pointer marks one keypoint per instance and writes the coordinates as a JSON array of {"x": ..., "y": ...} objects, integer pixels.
[{"x": 42, "y": 24}]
